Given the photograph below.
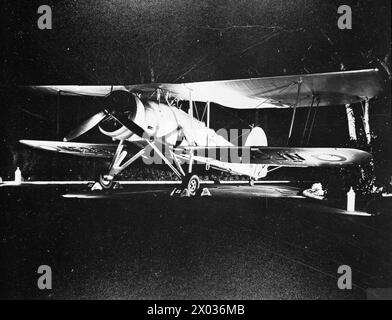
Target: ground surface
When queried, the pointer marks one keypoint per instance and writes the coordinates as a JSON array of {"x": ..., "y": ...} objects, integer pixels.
[{"x": 146, "y": 245}]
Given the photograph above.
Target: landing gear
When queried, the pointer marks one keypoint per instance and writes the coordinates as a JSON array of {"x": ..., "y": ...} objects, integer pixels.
[
  {"x": 105, "y": 182},
  {"x": 121, "y": 160},
  {"x": 192, "y": 183},
  {"x": 190, "y": 187}
]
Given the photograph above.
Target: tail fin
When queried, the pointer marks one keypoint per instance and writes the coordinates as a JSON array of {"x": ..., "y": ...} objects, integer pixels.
[{"x": 256, "y": 138}]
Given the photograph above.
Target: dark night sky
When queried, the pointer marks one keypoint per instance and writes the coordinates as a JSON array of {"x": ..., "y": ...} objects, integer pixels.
[
  {"x": 127, "y": 42},
  {"x": 119, "y": 41}
]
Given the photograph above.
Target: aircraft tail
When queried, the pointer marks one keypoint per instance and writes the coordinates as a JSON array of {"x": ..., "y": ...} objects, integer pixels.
[{"x": 256, "y": 138}]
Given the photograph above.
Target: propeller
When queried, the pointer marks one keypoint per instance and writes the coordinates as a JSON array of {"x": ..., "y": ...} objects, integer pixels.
[
  {"x": 119, "y": 103},
  {"x": 130, "y": 125},
  {"x": 86, "y": 126}
]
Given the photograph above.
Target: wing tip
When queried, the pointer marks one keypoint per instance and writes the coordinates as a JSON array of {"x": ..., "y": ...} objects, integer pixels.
[{"x": 26, "y": 142}]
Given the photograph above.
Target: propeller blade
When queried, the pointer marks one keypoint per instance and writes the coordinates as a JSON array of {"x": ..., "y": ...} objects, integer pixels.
[
  {"x": 86, "y": 126},
  {"x": 130, "y": 125}
]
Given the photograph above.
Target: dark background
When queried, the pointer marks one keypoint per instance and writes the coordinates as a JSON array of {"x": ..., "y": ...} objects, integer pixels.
[
  {"x": 152, "y": 246},
  {"x": 127, "y": 42}
]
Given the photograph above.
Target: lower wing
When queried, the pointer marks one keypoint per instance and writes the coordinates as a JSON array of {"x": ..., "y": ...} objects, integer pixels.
[
  {"x": 285, "y": 157},
  {"x": 98, "y": 150},
  {"x": 272, "y": 156}
]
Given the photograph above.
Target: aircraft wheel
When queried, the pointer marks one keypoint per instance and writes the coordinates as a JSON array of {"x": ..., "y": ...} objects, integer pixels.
[
  {"x": 105, "y": 183},
  {"x": 192, "y": 183}
]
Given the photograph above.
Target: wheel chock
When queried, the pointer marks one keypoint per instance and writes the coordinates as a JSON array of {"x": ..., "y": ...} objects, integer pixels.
[
  {"x": 185, "y": 193},
  {"x": 175, "y": 192},
  {"x": 180, "y": 193},
  {"x": 96, "y": 186},
  {"x": 205, "y": 193},
  {"x": 117, "y": 186}
]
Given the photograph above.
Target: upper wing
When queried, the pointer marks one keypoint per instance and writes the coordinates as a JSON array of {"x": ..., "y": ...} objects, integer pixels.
[
  {"x": 78, "y": 90},
  {"x": 277, "y": 156},
  {"x": 334, "y": 88},
  {"x": 99, "y": 150}
]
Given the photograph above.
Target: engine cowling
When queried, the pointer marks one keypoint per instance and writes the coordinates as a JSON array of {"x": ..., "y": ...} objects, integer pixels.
[{"x": 127, "y": 104}]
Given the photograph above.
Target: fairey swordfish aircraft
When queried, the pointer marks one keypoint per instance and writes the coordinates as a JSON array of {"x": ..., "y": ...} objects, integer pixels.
[{"x": 145, "y": 116}]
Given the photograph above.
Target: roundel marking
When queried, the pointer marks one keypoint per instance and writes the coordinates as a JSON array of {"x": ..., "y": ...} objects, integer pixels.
[{"x": 329, "y": 157}]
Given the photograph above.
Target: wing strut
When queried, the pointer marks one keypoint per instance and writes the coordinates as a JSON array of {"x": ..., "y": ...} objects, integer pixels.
[
  {"x": 307, "y": 120},
  {"x": 190, "y": 111},
  {"x": 313, "y": 120},
  {"x": 58, "y": 114},
  {"x": 206, "y": 111},
  {"x": 208, "y": 114},
  {"x": 366, "y": 126},
  {"x": 295, "y": 109}
]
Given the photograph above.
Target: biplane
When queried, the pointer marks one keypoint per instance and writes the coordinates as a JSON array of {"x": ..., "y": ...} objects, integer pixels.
[{"x": 148, "y": 117}]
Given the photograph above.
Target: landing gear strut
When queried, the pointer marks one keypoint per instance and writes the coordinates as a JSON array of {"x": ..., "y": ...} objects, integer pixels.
[{"x": 121, "y": 160}]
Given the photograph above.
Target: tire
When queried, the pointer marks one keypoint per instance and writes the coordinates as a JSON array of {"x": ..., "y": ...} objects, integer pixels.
[
  {"x": 192, "y": 183},
  {"x": 105, "y": 183}
]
